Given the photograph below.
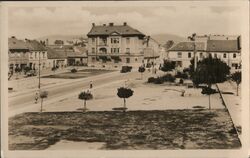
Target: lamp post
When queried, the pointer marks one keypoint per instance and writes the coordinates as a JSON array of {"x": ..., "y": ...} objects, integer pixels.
[
  {"x": 39, "y": 64},
  {"x": 192, "y": 38}
]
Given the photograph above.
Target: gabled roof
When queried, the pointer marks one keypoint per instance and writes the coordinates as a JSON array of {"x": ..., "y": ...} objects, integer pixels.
[
  {"x": 119, "y": 29},
  {"x": 56, "y": 54},
  {"x": 223, "y": 46},
  {"x": 78, "y": 52},
  {"x": 188, "y": 46},
  {"x": 17, "y": 44},
  {"x": 34, "y": 45}
]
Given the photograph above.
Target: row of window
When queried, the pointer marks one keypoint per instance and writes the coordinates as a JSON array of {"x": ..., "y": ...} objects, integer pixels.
[
  {"x": 113, "y": 40},
  {"x": 179, "y": 55},
  {"x": 114, "y": 50},
  {"x": 115, "y": 61},
  {"x": 37, "y": 54}
]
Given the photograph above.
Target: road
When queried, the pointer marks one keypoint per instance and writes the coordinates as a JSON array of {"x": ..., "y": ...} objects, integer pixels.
[{"x": 72, "y": 87}]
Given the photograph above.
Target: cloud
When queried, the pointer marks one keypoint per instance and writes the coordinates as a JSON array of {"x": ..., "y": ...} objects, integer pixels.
[{"x": 33, "y": 22}]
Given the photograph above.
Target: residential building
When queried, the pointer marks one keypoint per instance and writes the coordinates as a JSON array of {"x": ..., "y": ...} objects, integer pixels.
[
  {"x": 37, "y": 54},
  {"x": 57, "y": 57},
  {"x": 151, "y": 51},
  {"x": 18, "y": 54},
  {"x": 115, "y": 44},
  {"x": 228, "y": 51},
  {"x": 79, "y": 57}
]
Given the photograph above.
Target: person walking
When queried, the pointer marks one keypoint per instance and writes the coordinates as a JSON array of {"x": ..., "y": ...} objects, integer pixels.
[{"x": 91, "y": 85}]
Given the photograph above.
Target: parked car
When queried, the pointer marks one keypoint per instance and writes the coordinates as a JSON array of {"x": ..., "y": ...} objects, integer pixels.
[
  {"x": 31, "y": 73},
  {"x": 126, "y": 69}
]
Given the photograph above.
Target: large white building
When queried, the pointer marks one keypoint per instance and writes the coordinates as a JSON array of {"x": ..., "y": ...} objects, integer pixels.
[
  {"x": 227, "y": 50},
  {"x": 118, "y": 45}
]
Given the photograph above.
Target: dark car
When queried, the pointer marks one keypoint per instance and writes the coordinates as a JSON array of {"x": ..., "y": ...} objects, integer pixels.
[{"x": 126, "y": 69}]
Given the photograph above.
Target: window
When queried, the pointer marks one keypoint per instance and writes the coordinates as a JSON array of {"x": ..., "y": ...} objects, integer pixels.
[
  {"x": 114, "y": 50},
  {"x": 189, "y": 54},
  {"x": 35, "y": 54},
  {"x": 127, "y": 50},
  {"x": 135, "y": 59},
  {"x": 93, "y": 40},
  {"x": 93, "y": 59},
  {"x": 224, "y": 55},
  {"x": 201, "y": 55},
  {"x": 234, "y": 55},
  {"x": 179, "y": 54},
  {"x": 114, "y": 40},
  {"x": 127, "y": 60},
  {"x": 93, "y": 50},
  {"x": 235, "y": 65},
  {"x": 215, "y": 55},
  {"x": 127, "y": 40}
]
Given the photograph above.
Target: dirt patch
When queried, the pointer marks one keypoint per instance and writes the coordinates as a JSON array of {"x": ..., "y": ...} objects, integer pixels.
[{"x": 169, "y": 129}]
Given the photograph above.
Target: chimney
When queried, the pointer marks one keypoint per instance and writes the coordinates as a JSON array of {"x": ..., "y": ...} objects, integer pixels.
[
  {"x": 125, "y": 23},
  {"x": 13, "y": 37},
  {"x": 104, "y": 24},
  {"x": 93, "y": 24},
  {"x": 111, "y": 24}
]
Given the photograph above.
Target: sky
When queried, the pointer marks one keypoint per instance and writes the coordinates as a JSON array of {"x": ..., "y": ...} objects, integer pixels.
[{"x": 35, "y": 22}]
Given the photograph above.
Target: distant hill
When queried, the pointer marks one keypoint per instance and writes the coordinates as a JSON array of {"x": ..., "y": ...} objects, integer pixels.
[
  {"x": 163, "y": 38},
  {"x": 64, "y": 38}
]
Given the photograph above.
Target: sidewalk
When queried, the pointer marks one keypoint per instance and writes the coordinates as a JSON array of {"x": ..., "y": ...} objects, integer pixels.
[{"x": 232, "y": 101}]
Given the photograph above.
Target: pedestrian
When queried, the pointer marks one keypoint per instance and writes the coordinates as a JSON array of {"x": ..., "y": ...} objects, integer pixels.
[
  {"x": 36, "y": 98},
  {"x": 91, "y": 85}
]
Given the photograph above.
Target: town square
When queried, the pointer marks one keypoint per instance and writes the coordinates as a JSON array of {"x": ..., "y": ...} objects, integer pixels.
[{"x": 125, "y": 78}]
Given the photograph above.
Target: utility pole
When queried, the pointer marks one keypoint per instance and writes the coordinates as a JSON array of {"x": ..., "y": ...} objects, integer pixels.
[
  {"x": 192, "y": 38},
  {"x": 39, "y": 64}
]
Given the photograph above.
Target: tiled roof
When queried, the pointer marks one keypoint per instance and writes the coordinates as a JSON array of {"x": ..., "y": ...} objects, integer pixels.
[
  {"x": 17, "y": 44},
  {"x": 78, "y": 52},
  {"x": 222, "y": 45},
  {"x": 188, "y": 46},
  {"x": 34, "y": 45},
  {"x": 56, "y": 54},
  {"x": 120, "y": 29},
  {"x": 150, "y": 53}
]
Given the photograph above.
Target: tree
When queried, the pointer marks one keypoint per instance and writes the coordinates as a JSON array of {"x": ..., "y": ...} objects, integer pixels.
[
  {"x": 236, "y": 77},
  {"x": 168, "y": 66},
  {"x": 85, "y": 96},
  {"x": 210, "y": 71},
  {"x": 124, "y": 93},
  {"x": 43, "y": 94},
  {"x": 141, "y": 70}
]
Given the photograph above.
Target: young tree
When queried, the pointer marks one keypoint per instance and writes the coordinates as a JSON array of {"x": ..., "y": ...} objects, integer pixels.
[
  {"x": 43, "y": 94},
  {"x": 210, "y": 71},
  {"x": 124, "y": 93},
  {"x": 141, "y": 70},
  {"x": 85, "y": 96},
  {"x": 168, "y": 66},
  {"x": 236, "y": 77}
]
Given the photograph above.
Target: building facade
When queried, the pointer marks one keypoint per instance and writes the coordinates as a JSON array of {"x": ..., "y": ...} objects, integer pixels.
[
  {"x": 229, "y": 51},
  {"x": 115, "y": 44}
]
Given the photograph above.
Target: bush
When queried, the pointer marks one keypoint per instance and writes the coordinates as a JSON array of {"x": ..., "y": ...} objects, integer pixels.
[
  {"x": 168, "y": 78},
  {"x": 208, "y": 90},
  {"x": 158, "y": 80},
  {"x": 181, "y": 75},
  {"x": 74, "y": 70},
  {"x": 126, "y": 69},
  {"x": 186, "y": 70},
  {"x": 151, "y": 80}
]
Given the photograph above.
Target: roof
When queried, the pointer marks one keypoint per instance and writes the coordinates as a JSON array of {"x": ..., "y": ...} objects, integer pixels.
[
  {"x": 118, "y": 29},
  {"x": 56, "y": 54},
  {"x": 34, "y": 45},
  {"x": 188, "y": 46},
  {"x": 223, "y": 46},
  {"x": 17, "y": 44},
  {"x": 149, "y": 53},
  {"x": 78, "y": 52}
]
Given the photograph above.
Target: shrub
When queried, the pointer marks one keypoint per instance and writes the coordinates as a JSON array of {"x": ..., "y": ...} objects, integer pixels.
[
  {"x": 186, "y": 70},
  {"x": 208, "y": 90},
  {"x": 158, "y": 80},
  {"x": 168, "y": 78},
  {"x": 181, "y": 75},
  {"x": 74, "y": 70},
  {"x": 151, "y": 80}
]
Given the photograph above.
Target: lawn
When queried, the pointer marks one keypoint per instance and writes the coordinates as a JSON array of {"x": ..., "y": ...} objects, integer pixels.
[
  {"x": 165, "y": 129},
  {"x": 78, "y": 74}
]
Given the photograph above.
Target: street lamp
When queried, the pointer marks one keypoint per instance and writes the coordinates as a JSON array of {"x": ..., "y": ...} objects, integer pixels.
[
  {"x": 192, "y": 38},
  {"x": 39, "y": 64}
]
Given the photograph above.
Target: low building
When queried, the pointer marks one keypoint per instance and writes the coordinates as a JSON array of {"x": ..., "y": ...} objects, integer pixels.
[
  {"x": 79, "y": 57},
  {"x": 56, "y": 58},
  {"x": 37, "y": 54},
  {"x": 151, "y": 51},
  {"x": 18, "y": 54},
  {"x": 228, "y": 51}
]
